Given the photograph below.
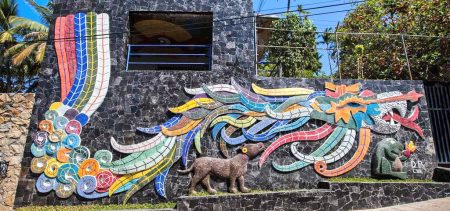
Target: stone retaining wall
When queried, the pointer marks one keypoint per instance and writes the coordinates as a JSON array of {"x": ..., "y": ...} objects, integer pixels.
[
  {"x": 15, "y": 111},
  {"x": 339, "y": 196}
]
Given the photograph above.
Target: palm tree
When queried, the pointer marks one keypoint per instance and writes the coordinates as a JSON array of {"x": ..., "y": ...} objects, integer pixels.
[
  {"x": 327, "y": 39},
  {"x": 34, "y": 38},
  {"x": 23, "y": 41}
]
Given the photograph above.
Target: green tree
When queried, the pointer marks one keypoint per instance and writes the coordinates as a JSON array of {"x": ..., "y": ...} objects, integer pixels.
[
  {"x": 23, "y": 45},
  {"x": 298, "y": 57},
  {"x": 383, "y": 56}
]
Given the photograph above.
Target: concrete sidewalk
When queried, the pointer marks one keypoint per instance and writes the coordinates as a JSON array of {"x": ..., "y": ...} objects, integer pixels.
[{"x": 430, "y": 205}]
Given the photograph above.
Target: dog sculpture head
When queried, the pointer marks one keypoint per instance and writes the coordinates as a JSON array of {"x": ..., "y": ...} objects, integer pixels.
[{"x": 252, "y": 150}]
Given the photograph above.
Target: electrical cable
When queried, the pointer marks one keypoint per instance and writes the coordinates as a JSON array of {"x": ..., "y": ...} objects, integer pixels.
[{"x": 294, "y": 6}]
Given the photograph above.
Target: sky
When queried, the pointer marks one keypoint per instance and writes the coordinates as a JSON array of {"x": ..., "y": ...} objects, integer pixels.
[
  {"x": 26, "y": 11},
  {"x": 264, "y": 7}
]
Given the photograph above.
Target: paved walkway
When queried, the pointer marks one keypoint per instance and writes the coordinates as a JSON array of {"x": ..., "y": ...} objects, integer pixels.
[{"x": 430, "y": 205}]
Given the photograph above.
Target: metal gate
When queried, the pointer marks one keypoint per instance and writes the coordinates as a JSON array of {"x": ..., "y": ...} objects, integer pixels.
[{"x": 438, "y": 100}]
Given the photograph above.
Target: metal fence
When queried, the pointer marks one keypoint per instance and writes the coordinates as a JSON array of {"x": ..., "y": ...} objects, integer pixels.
[
  {"x": 438, "y": 99},
  {"x": 168, "y": 57}
]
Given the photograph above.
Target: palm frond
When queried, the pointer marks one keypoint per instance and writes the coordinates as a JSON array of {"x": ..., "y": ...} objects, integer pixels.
[
  {"x": 24, "y": 23},
  {"x": 40, "y": 53},
  {"x": 6, "y": 36},
  {"x": 24, "y": 54},
  {"x": 45, "y": 12},
  {"x": 14, "y": 49},
  {"x": 36, "y": 36}
]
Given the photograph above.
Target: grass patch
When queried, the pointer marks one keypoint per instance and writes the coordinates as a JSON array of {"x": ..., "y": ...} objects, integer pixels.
[
  {"x": 373, "y": 180},
  {"x": 99, "y": 207}
]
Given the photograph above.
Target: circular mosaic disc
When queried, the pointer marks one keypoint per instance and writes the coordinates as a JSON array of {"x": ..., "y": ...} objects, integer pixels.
[
  {"x": 79, "y": 154},
  {"x": 38, "y": 165},
  {"x": 51, "y": 170},
  {"x": 46, "y": 125},
  {"x": 104, "y": 180},
  {"x": 82, "y": 118},
  {"x": 89, "y": 167},
  {"x": 39, "y": 138},
  {"x": 86, "y": 184},
  {"x": 51, "y": 148},
  {"x": 45, "y": 184},
  {"x": 57, "y": 136},
  {"x": 60, "y": 122},
  {"x": 65, "y": 190},
  {"x": 51, "y": 115},
  {"x": 55, "y": 105},
  {"x": 71, "y": 141},
  {"x": 103, "y": 156},
  {"x": 63, "y": 155},
  {"x": 73, "y": 127},
  {"x": 67, "y": 172},
  {"x": 37, "y": 151},
  {"x": 71, "y": 113}
]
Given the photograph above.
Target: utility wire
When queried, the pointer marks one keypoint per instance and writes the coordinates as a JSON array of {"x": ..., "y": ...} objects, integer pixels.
[
  {"x": 358, "y": 33},
  {"x": 187, "y": 29},
  {"x": 214, "y": 21},
  {"x": 231, "y": 24},
  {"x": 261, "y": 4},
  {"x": 284, "y": 8}
]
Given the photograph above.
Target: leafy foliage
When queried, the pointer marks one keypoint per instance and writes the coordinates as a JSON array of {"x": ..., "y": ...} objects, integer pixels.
[
  {"x": 23, "y": 45},
  {"x": 300, "y": 61},
  {"x": 382, "y": 56}
]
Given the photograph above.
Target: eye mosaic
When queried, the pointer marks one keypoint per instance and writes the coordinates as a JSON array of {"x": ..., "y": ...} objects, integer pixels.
[{"x": 229, "y": 113}]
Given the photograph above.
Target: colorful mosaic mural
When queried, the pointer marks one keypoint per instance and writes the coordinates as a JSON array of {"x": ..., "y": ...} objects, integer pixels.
[{"x": 229, "y": 113}]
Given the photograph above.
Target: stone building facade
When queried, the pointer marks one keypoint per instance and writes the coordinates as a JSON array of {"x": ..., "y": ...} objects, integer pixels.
[{"x": 141, "y": 98}]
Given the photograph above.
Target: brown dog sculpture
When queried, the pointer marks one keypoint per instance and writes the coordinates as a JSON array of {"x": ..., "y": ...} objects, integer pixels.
[{"x": 232, "y": 169}]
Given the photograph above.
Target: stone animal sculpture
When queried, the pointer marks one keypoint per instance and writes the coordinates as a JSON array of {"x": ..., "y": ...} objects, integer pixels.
[
  {"x": 388, "y": 157},
  {"x": 230, "y": 114},
  {"x": 231, "y": 168}
]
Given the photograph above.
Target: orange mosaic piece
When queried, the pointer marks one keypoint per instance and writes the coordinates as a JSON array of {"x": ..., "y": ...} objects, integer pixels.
[
  {"x": 412, "y": 96},
  {"x": 46, "y": 125},
  {"x": 336, "y": 91},
  {"x": 63, "y": 155},
  {"x": 342, "y": 111},
  {"x": 89, "y": 167},
  {"x": 363, "y": 147},
  {"x": 60, "y": 36},
  {"x": 191, "y": 125}
]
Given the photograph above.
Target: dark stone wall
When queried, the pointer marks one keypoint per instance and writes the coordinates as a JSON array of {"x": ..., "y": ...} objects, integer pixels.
[
  {"x": 141, "y": 98},
  {"x": 340, "y": 196}
]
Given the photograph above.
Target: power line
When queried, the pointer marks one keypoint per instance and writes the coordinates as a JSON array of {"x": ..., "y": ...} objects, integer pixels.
[
  {"x": 284, "y": 8},
  {"x": 187, "y": 29},
  {"x": 231, "y": 24},
  {"x": 293, "y": 47},
  {"x": 358, "y": 33},
  {"x": 261, "y": 4},
  {"x": 237, "y": 18}
]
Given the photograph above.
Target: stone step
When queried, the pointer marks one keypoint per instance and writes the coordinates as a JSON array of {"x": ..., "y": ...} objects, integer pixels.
[{"x": 291, "y": 199}]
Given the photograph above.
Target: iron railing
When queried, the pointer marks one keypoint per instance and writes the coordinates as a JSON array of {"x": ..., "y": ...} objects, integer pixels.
[
  {"x": 438, "y": 100},
  {"x": 172, "y": 57}
]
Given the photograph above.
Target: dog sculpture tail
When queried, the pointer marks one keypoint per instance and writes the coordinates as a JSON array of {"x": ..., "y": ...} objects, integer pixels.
[{"x": 186, "y": 170}]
